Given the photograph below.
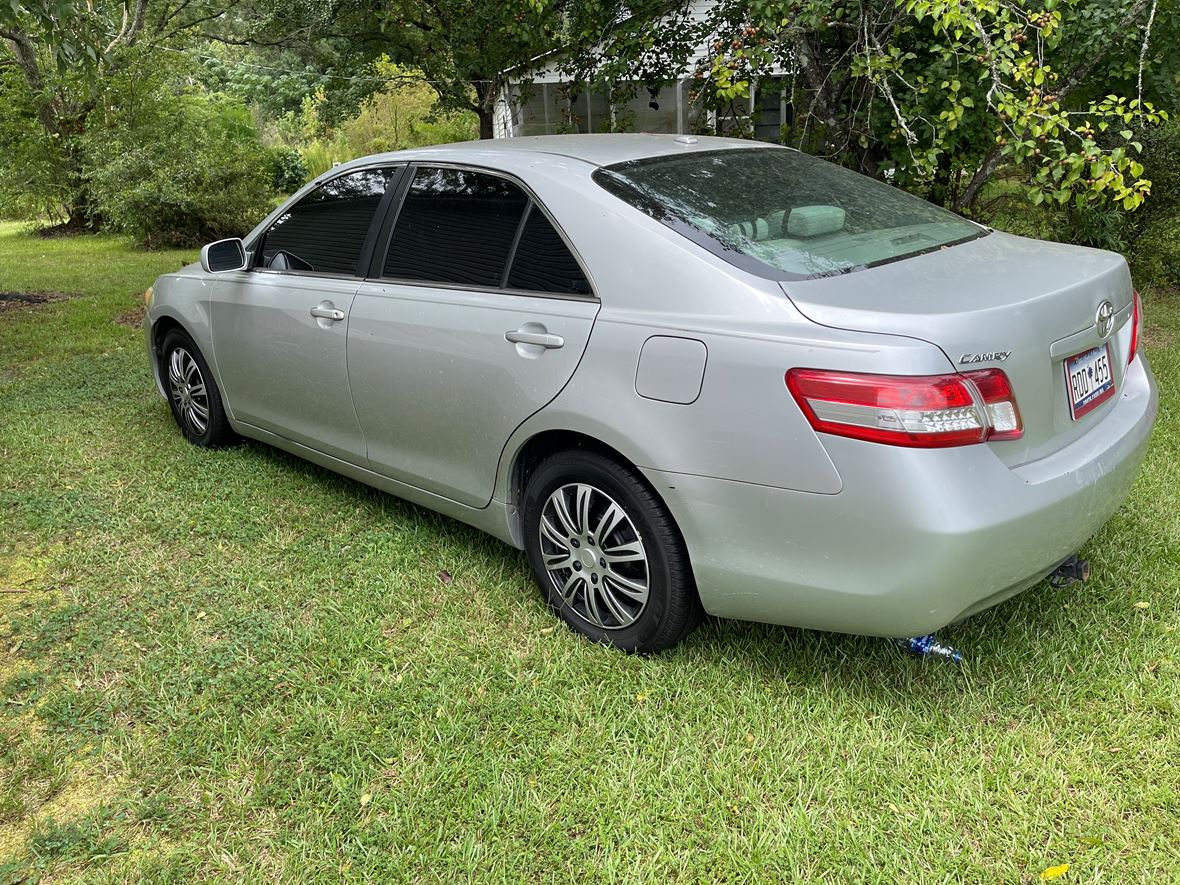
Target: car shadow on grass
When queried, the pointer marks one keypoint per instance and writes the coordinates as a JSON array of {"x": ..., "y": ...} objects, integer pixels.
[{"x": 1009, "y": 643}]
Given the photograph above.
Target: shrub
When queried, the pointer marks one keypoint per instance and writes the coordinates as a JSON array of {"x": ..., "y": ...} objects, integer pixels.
[
  {"x": 319, "y": 156},
  {"x": 1155, "y": 239},
  {"x": 404, "y": 115},
  {"x": 288, "y": 172},
  {"x": 191, "y": 171},
  {"x": 1161, "y": 163},
  {"x": 1155, "y": 253},
  {"x": 1102, "y": 225}
]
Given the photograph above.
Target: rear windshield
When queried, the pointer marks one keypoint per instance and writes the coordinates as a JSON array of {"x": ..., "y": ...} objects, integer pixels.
[{"x": 783, "y": 214}]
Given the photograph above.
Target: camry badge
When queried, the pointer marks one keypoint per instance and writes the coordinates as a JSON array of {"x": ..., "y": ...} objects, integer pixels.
[
  {"x": 995, "y": 356},
  {"x": 1104, "y": 320}
]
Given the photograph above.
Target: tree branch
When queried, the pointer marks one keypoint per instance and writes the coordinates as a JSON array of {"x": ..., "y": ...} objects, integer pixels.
[
  {"x": 1143, "y": 49},
  {"x": 1079, "y": 73},
  {"x": 26, "y": 58},
  {"x": 982, "y": 175}
]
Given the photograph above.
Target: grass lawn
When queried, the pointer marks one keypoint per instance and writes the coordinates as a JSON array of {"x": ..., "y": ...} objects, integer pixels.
[{"x": 236, "y": 665}]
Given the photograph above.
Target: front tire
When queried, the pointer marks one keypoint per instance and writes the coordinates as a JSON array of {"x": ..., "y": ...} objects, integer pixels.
[
  {"x": 607, "y": 554},
  {"x": 192, "y": 393}
]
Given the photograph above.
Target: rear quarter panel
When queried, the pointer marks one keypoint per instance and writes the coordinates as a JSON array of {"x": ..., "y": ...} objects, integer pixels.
[{"x": 744, "y": 425}]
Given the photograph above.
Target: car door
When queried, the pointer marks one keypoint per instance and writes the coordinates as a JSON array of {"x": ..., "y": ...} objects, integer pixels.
[
  {"x": 279, "y": 329},
  {"x": 475, "y": 317}
]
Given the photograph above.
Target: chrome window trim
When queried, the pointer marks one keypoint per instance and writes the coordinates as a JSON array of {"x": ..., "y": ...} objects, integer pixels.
[{"x": 482, "y": 290}]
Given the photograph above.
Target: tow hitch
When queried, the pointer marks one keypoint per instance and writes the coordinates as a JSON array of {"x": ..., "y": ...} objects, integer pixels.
[{"x": 1073, "y": 571}]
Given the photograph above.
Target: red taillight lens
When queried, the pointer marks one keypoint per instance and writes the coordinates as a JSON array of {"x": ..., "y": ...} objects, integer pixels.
[
  {"x": 1000, "y": 401},
  {"x": 920, "y": 411},
  {"x": 1136, "y": 319}
]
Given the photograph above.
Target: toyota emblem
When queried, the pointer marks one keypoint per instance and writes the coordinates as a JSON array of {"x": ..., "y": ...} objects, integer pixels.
[{"x": 1104, "y": 319}]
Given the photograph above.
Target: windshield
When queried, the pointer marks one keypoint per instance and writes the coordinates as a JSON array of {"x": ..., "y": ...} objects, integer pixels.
[{"x": 783, "y": 214}]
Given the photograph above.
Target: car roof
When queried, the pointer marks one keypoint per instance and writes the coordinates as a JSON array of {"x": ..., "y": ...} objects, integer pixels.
[{"x": 597, "y": 150}]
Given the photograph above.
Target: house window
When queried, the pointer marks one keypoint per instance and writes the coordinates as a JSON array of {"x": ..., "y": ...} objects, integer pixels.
[
  {"x": 639, "y": 115},
  {"x": 545, "y": 110},
  {"x": 771, "y": 110}
]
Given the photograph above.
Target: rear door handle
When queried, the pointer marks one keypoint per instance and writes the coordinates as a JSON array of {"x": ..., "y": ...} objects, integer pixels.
[
  {"x": 541, "y": 339},
  {"x": 327, "y": 313}
]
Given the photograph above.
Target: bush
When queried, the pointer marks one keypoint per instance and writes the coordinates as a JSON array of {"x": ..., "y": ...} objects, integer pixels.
[
  {"x": 34, "y": 177},
  {"x": 319, "y": 156},
  {"x": 404, "y": 115},
  {"x": 191, "y": 171},
  {"x": 1155, "y": 254},
  {"x": 1161, "y": 163},
  {"x": 1103, "y": 226},
  {"x": 1155, "y": 240},
  {"x": 288, "y": 172}
]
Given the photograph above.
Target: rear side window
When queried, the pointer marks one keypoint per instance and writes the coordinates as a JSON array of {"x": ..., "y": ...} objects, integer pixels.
[
  {"x": 543, "y": 262},
  {"x": 455, "y": 226},
  {"x": 325, "y": 231}
]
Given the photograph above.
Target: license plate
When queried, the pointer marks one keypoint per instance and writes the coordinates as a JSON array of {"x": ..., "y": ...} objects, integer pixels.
[{"x": 1089, "y": 381}]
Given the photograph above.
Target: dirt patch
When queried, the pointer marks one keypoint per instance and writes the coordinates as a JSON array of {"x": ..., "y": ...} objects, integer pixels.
[
  {"x": 1153, "y": 336},
  {"x": 64, "y": 229},
  {"x": 133, "y": 318},
  {"x": 10, "y": 300}
]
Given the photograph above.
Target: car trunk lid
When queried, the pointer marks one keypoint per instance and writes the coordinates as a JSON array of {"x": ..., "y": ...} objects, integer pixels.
[{"x": 1001, "y": 301}]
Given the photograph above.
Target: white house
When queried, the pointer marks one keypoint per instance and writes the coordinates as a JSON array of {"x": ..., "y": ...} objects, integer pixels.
[{"x": 548, "y": 106}]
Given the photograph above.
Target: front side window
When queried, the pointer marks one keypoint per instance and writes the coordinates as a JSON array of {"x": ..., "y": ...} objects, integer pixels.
[
  {"x": 325, "y": 231},
  {"x": 783, "y": 214},
  {"x": 455, "y": 226}
]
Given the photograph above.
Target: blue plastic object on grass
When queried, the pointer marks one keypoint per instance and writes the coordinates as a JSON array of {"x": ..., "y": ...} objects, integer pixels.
[{"x": 930, "y": 646}]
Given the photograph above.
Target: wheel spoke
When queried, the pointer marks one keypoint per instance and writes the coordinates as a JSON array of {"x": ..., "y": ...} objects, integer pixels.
[
  {"x": 551, "y": 533},
  {"x": 611, "y": 517},
  {"x": 570, "y": 587},
  {"x": 563, "y": 514},
  {"x": 174, "y": 373},
  {"x": 592, "y": 604},
  {"x": 195, "y": 421},
  {"x": 632, "y": 551},
  {"x": 612, "y": 603},
  {"x": 582, "y": 502},
  {"x": 629, "y": 586}
]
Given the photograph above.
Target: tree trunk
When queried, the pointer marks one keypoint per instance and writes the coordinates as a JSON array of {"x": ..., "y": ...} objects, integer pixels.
[
  {"x": 486, "y": 89},
  {"x": 487, "y": 119},
  {"x": 981, "y": 177}
]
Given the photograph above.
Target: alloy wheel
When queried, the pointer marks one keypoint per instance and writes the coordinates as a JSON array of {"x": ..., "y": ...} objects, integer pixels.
[
  {"x": 594, "y": 555},
  {"x": 189, "y": 393}
]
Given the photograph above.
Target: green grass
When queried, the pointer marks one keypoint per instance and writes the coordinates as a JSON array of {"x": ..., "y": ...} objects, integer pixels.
[{"x": 236, "y": 665}]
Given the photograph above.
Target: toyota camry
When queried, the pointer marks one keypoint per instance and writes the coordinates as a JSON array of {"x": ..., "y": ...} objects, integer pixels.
[{"x": 685, "y": 375}]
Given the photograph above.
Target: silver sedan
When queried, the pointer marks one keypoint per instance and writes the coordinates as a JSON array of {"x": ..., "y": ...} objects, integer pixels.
[{"x": 685, "y": 375}]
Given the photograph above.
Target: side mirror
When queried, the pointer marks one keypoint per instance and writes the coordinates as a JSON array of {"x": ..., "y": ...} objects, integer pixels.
[{"x": 224, "y": 255}]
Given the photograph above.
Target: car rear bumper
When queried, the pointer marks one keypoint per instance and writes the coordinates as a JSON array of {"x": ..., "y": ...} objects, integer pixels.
[{"x": 917, "y": 538}]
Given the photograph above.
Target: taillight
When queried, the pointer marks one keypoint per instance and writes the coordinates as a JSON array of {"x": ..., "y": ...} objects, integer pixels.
[
  {"x": 921, "y": 411},
  {"x": 1136, "y": 319}
]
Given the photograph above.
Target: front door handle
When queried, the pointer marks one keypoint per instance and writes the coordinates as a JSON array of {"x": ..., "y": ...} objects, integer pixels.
[
  {"x": 326, "y": 312},
  {"x": 541, "y": 339}
]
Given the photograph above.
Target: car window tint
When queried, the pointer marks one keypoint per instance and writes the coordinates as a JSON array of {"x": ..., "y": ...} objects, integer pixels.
[
  {"x": 543, "y": 262},
  {"x": 455, "y": 226},
  {"x": 325, "y": 231}
]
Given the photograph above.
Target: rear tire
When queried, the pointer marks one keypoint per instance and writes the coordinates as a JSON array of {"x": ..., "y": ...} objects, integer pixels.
[
  {"x": 607, "y": 554},
  {"x": 192, "y": 393}
]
